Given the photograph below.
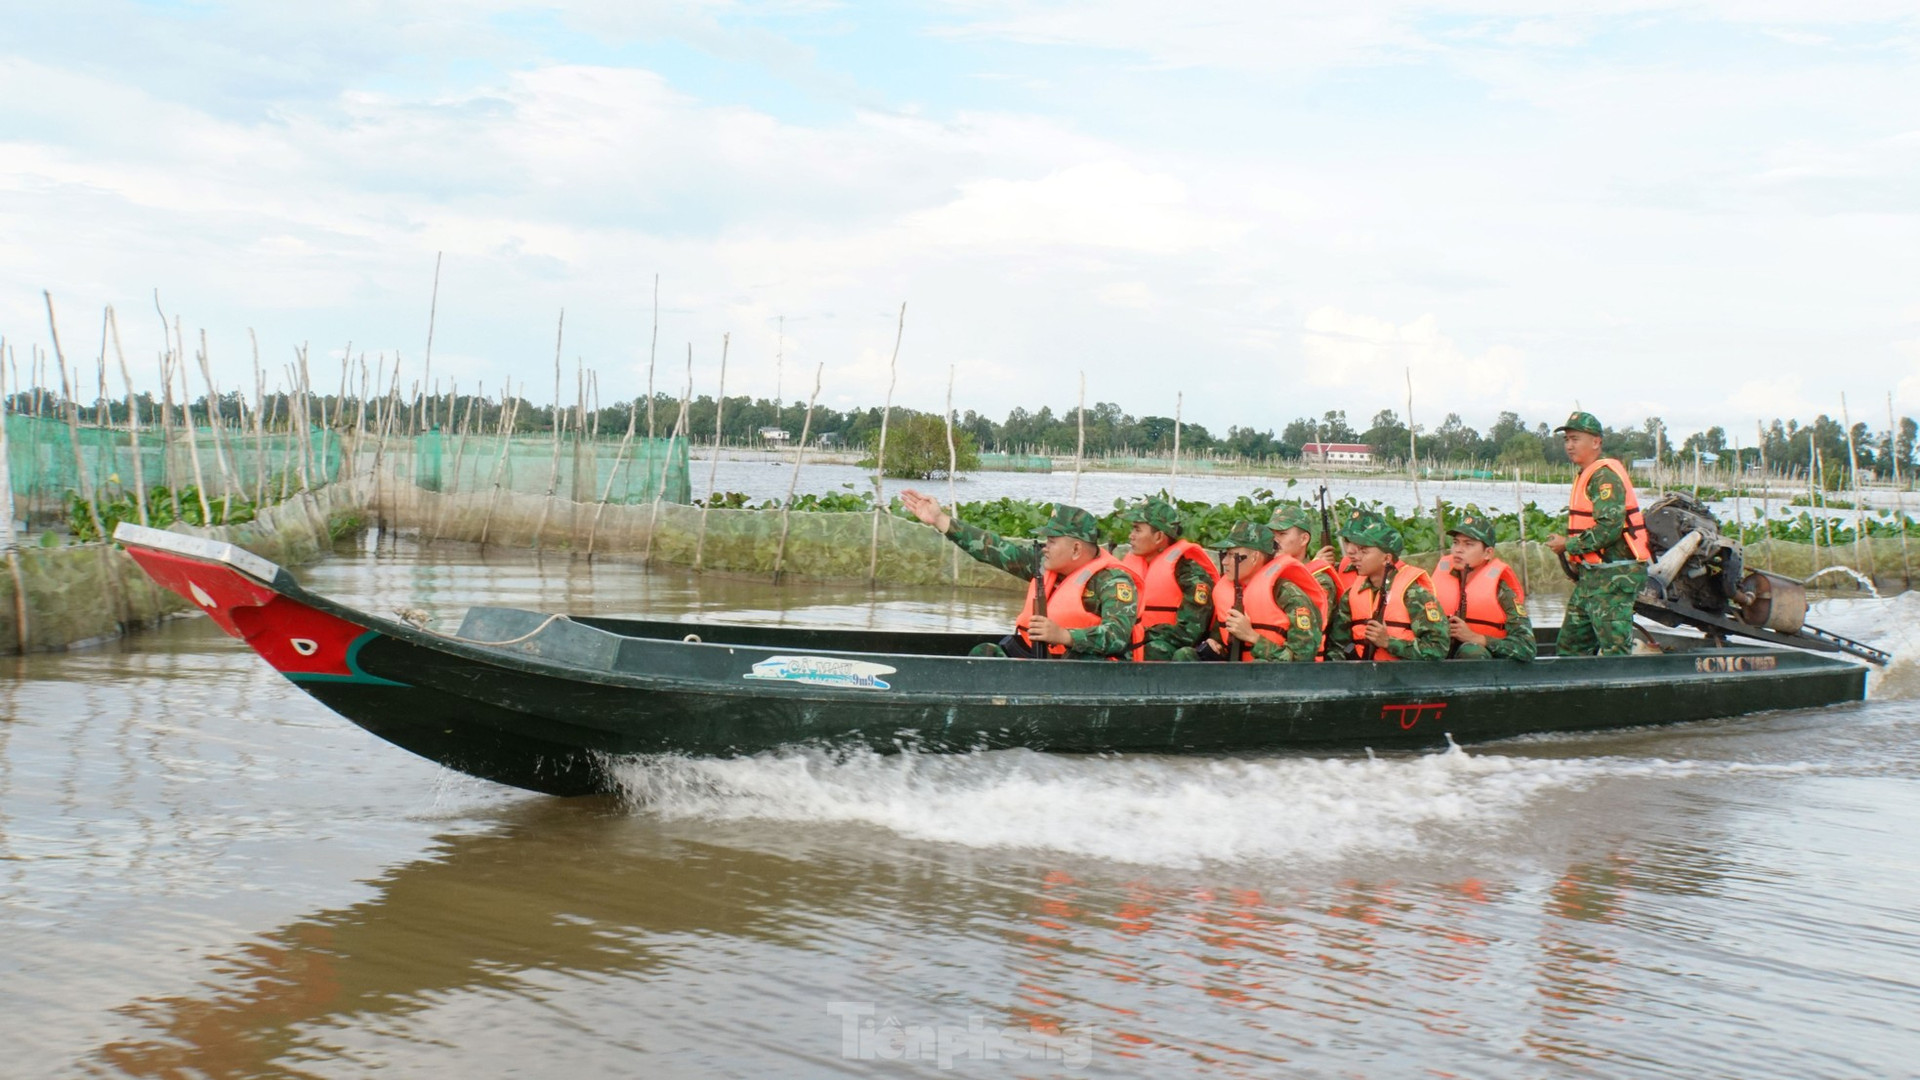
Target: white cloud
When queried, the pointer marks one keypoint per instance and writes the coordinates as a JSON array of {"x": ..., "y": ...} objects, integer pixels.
[{"x": 1355, "y": 352}]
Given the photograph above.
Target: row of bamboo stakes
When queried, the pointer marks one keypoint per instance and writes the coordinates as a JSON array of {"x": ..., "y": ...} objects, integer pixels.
[{"x": 381, "y": 393}]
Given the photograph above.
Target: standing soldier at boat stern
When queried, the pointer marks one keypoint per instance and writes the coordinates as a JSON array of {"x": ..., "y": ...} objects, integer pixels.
[
  {"x": 1088, "y": 597},
  {"x": 1176, "y": 580},
  {"x": 1389, "y": 612},
  {"x": 1606, "y": 545},
  {"x": 1266, "y": 606},
  {"x": 1481, "y": 597}
]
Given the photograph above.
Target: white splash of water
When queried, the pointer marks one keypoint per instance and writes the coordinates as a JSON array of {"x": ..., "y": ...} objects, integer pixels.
[
  {"x": 1892, "y": 624},
  {"x": 1153, "y": 810}
]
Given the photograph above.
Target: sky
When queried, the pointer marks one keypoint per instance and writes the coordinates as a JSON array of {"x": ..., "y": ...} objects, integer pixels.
[{"x": 1258, "y": 210}]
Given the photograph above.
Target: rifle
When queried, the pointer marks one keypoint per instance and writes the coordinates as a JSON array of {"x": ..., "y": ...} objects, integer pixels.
[
  {"x": 1237, "y": 649},
  {"x": 1460, "y": 611},
  {"x": 1326, "y": 523},
  {"x": 1042, "y": 596},
  {"x": 1380, "y": 608}
]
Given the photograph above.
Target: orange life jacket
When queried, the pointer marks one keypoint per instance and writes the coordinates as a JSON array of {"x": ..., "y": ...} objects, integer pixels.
[
  {"x": 1270, "y": 620},
  {"x": 1580, "y": 512},
  {"x": 1160, "y": 592},
  {"x": 1340, "y": 575},
  {"x": 1483, "y": 611},
  {"x": 1396, "y": 618},
  {"x": 1066, "y": 603}
]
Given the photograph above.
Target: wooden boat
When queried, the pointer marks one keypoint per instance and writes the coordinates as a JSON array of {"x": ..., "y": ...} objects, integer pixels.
[{"x": 544, "y": 702}]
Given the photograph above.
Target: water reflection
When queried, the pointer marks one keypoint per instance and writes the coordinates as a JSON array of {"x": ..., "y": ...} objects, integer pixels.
[{"x": 1230, "y": 979}]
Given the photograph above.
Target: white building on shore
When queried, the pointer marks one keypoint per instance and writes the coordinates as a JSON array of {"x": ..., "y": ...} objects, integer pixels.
[{"x": 1338, "y": 453}]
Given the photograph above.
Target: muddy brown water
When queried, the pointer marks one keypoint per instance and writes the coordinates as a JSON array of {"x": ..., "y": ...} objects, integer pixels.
[{"x": 206, "y": 874}]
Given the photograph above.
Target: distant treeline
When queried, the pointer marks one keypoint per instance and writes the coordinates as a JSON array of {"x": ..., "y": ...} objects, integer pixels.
[{"x": 1510, "y": 441}]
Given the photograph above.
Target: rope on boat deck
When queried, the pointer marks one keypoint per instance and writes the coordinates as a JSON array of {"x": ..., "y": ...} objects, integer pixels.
[{"x": 418, "y": 619}]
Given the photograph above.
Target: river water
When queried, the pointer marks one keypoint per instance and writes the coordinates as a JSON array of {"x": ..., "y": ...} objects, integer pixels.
[{"x": 206, "y": 874}]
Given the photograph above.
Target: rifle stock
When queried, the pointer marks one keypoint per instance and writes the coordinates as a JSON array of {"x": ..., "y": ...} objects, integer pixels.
[
  {"x": 1237, "y": 649},
  {"x": 1380, "y": 608},
  {"x": 1042, "y": 594}
]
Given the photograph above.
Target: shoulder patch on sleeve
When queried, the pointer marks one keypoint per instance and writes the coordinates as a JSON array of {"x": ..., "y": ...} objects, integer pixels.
[
  {"x": 1302, "y": 618},
  {"x": 1606, "y": 489},
  {"x": 1202, "y": 594},
  {"x": 1433, "y": 611},
  {"x": 1123, "y": 592}
]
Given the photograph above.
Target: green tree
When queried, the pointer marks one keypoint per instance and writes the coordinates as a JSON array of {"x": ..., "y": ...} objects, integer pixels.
[{"x": 917, "y": 448}]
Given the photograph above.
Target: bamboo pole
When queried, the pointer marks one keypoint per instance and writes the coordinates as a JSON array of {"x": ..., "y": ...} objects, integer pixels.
[
  {"x": 84, "y": 481},
  {"x": 433, "y": 310},
  {"x": 1413, "y": 444},
  {"x": 1520, "y": 514},
  {"x": 213, "y": 428},
  {"x": 133, "y": 422},
  {"x": 303, "y": 430},
  {"x": 713, "y": 466},
  {"x": 259, "y": 423},
  {"x": 449, "y": 487},
  {"x": 1814, "y": 515},
  {"x": 508, "y": 406},
  {"x": 633, "y": 416},
  {"x": 9, "y": 538},
  {"x": 553, "y": 476},
  {"x": 679, "y": 426},
  {"x": 1862, "y": 551},
  {"x": 1173, "y": 472},
  {"x": 1766, "y": 492},
  {"x": 1080, "y": 442},
  {"x": 799, "y": 455},
  {"x": 1899, "y": 493},
  {"x": 953, "y": 466},
  {"x": 880, "y": 452}
]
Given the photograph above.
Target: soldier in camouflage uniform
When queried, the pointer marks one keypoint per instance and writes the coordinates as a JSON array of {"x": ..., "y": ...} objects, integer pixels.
[
  {"x": 1071, "y": 540},
  {"x": 1469, "y": 644},
  {"x": 1249, "y": 548},
  {"x": 1378, "y": 558},
  {"x": 1599, "y": 619},
  {"x": 1292, "y": 526},
  {"x": 1156, "y": 524}
]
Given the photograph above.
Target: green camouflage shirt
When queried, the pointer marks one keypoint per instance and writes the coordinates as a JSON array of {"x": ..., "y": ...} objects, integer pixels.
[
  {"x": 1519, "y": 643},
  {"x": 1430, "y": 638},
  {"x": 1608, "y": 490},
  {"x": 1109, "y": 593},
  {"x": 1195, "y": 617},
  {"x": 1304, "y": 628}
]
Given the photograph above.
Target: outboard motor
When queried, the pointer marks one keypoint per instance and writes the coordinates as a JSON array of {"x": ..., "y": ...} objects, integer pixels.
[{"x": 1698, "y": 578}]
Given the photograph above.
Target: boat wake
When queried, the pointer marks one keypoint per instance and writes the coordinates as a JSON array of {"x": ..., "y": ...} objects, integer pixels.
[
  {"x": 1164, "y": 811},
  {"x": 1892, "y": 624}
]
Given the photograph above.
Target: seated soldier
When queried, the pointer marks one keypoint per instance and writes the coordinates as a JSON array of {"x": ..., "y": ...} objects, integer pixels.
[
  {"x": 1080, "y": 600},
  {"x": 1389, "y": 612},
  {"x": 1481, "y": 596},
  {"x": 1266, "y": 606},
  {"x": 1292, "y": 526},
  {"x": 1176, "y": 580}
]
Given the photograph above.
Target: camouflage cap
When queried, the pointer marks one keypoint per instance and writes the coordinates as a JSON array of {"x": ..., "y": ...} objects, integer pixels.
[
  {"x": 1073, "y": 522},
  {"x": 1156, "y": 512},
  {"x": 1252, "y": 535},
  {"x": 1369, "y": 529},
  {"x": 1582, "y": 421},
  {"x": 1292, "y": 516},
  {"x": 1474, "y": 525}
]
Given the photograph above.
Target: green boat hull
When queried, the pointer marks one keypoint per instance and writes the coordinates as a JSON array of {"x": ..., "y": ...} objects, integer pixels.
[{"x": 546, "y": 702}]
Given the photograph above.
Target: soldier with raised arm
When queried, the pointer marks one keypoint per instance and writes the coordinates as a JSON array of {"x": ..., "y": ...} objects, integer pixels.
[{"x": 1086, "y": 599}]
